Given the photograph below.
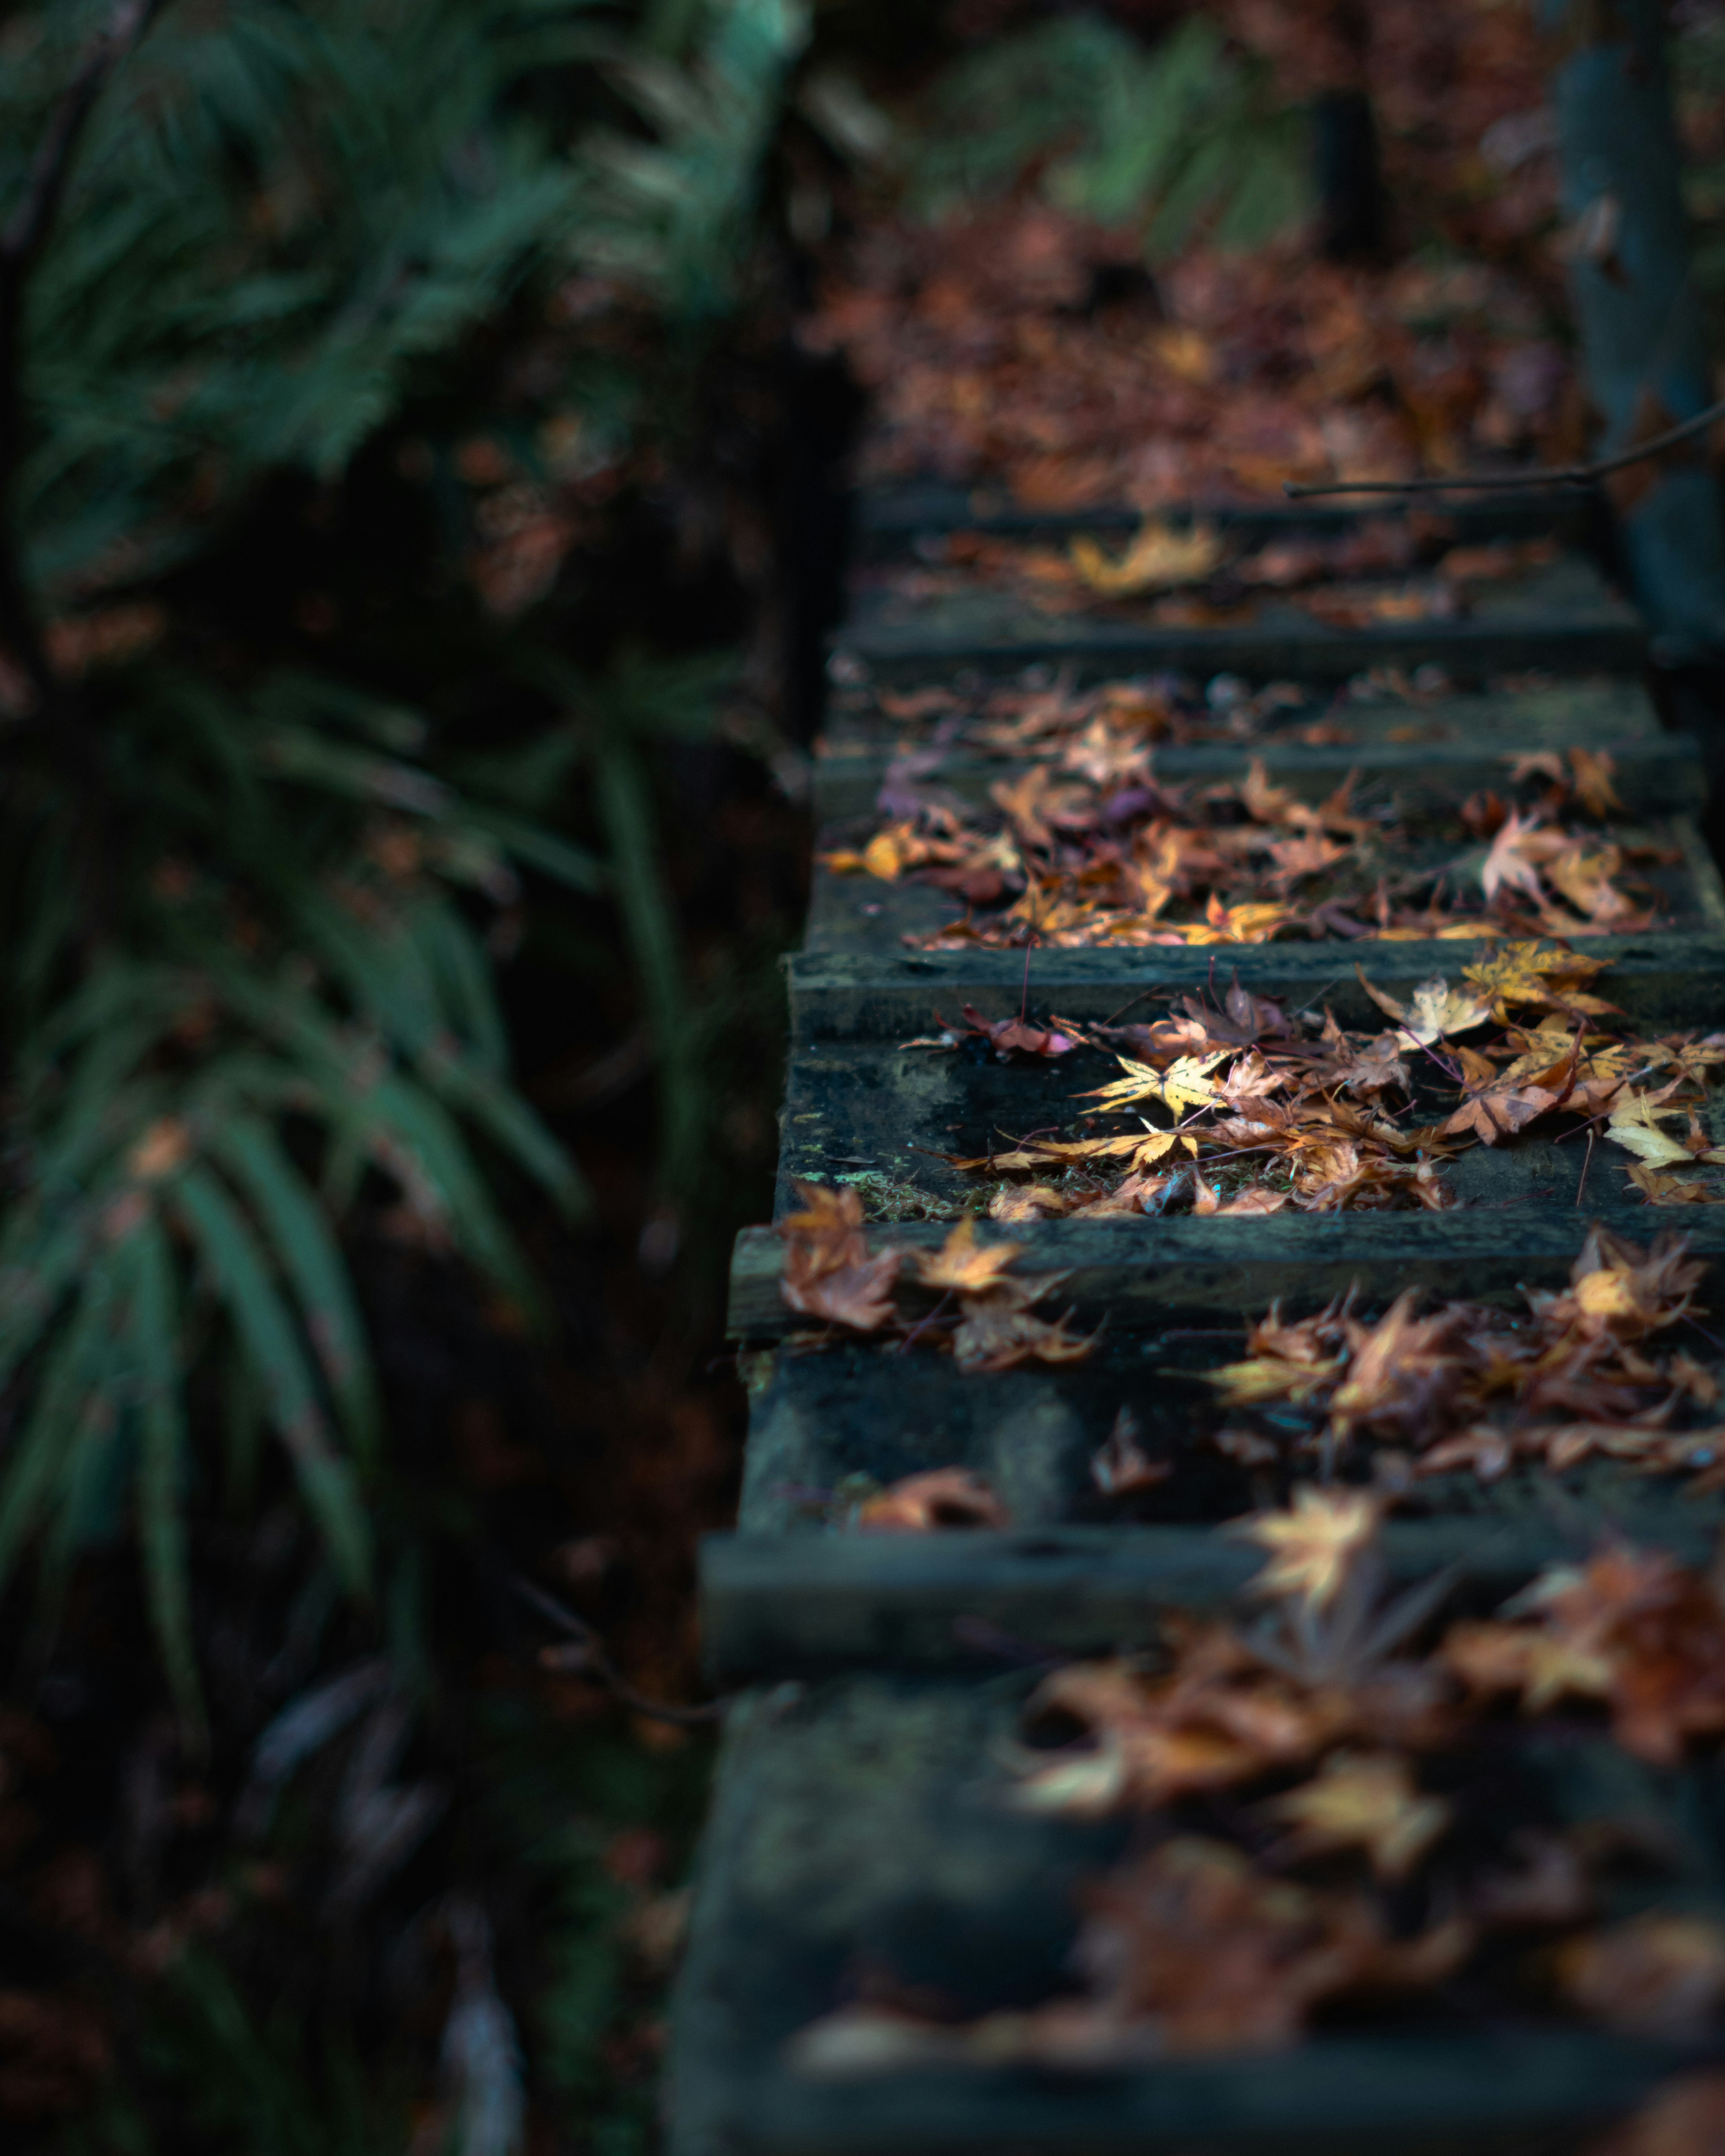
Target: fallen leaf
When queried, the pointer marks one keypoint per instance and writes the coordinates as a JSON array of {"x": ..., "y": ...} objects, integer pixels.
[
  {"x": 827, "y": 1270},
  {"x": 942, "y": 1498},
  {"x": 997, "y": 1333},
  {"x": 964, "y": 1265},
  {"x": 1315, "y": 1545},
  {"x": 1159, "y": 558},
  {"x": 1366, "y": 1801},
  {"x": 1119, "y": 1466},
  {"x": 1656, "y": 1975}
]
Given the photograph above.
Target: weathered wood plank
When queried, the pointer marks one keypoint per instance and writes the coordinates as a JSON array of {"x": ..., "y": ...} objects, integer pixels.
[
  {"x": 890, "y": 518},
  {"x": 1663, "y": 980},
  {"x": 1563, "y": 615},
  {"x": 1660, "y": 773},
  {"x": 861, "y": 1826},
  {"x": 807, "y": 1604},
  {"x": 878, "y": 1117},
  {"x": 1595, "y": 711},
  {"x": 1150, "y": 1272}
]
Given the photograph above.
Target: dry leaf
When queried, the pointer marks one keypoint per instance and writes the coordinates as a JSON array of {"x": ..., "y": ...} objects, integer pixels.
[
  {"x": 964, "y": 1265},
  {"x": 943, "y": 1497},
  {"x": 1314, "y": 1546},
  {"x": 1159, "y": 558},
  {"x": 1121, "y": 1466},
  {"x": 1366, "y": 1801}
]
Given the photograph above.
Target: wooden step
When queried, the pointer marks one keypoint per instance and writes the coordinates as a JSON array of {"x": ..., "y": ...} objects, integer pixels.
[
  {"x": 779, "y": 1605},
  {"x": 1563, "y": 615},
  {"x": 863, "y": 1825},
  {"x": 864, "y": 1831},
  {"x": 1435, "y": 752}
]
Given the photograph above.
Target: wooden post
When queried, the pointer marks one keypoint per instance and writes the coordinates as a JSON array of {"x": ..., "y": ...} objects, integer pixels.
[{"x": 1627, "y": 240}]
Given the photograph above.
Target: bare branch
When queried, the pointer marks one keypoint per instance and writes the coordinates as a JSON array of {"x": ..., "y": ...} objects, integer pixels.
[{"x": 1512, "y": 482}]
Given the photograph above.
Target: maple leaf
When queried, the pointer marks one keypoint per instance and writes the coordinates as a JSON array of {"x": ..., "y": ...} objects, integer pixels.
[
  {"x": 998, "y": 1333},
  {"x": 1255, "y": 1202},
  {"x": 1658, "y": 1974},
  {"x": 1217, "y": 1958},
  {"x": 1026, "y": 1202},
  {"x": 1491, "y": 1657},
  {"x": 1508, "y": 1105},
  {"x": 1511, "y": 863},
  {"x": 1535, "y": 976},
  {"x": 1392, "y": 1364},
  {"x": 1436, "y": 1010},
  {"x": 1184, "y": 1086},
  {"x": 1615, "y": 1287},
  {"x": 1315, "y": 1546},
  {"x": 827, "y": 1270},
  {"x": 1004, "y": 1034},
  {"x": 1633, "y": 1124},
  {"x": 1366, "y": 1801},
  {"x": 1666, "y": 1190},
  {"x": 964, "y": 1265},
  {"x": 1119, "y": 1466},
  {"x": 941, "y": 1498},
  {"x": 1159, "y": 558},
  {"x": 1594, "y": 770}
]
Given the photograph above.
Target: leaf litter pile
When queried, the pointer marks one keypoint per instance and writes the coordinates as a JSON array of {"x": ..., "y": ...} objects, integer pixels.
[
  {"x": 1083, "y": 845},
  {"x": 1349, "y": 1810},
  {"x": 1294, "y": 1112}
]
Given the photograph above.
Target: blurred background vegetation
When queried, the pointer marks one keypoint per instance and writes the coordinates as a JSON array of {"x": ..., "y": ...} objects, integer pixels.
[{"x": 421, "y": 521}]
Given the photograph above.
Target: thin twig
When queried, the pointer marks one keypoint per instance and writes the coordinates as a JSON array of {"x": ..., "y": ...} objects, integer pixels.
[
  {"x": 1512, "y": 482},
  {"x": 1586, "y": 1164},
  {"x": 595, "y": 1661}
]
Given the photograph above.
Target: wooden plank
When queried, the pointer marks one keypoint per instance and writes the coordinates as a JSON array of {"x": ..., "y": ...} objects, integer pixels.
[
  {"x": 1563, "y": 615},
  {"x": 879, "y": 1116},
  {"x": 861, "y": 914},
  {"x": 777, "y": 1606},
  {"x": 1595, "y": 711},
  {"x": 1663, "y": 980},
  {"x": 861, "y": 1825},
  {"x": 890, "y": 519},
  {"x": 1661, "y": 774},
  {"x": 856, "y": 1416},
  {"x": 1145, "y": 1273}
]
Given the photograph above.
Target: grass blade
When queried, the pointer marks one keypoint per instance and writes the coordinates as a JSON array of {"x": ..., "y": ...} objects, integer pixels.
[
  {"x": 155, "y": 1335},
  {"x": 262, "y": 1321},
  {"x": 308, "y": 1254}
]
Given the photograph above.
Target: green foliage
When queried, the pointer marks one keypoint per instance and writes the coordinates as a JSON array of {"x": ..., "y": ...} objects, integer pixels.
[
  {"x": 1184, "y": 137},
  {"x": 279, "y": 207},
  {"x": 674, "y": 214},
  {"x": 247, "y": 911}
]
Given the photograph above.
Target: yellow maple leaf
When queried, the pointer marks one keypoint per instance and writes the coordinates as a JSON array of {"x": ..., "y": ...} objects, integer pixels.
[
  {"x": 1370, "y": 1803},
  {"x": 1314, "y": 1547},
  {"x": 1183, "y": 1085},
  {"x": 1159, "y": 558},
  {"x": 963, "y": 1266}
]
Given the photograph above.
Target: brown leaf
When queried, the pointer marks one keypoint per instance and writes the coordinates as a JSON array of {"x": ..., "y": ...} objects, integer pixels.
[
  {"x": 1657, "y": 1975},
  {"x": 998, "y": 1333},
  {"x": 943, "y": 1497},
  {"x": 1119, "y": 1466},
  {"x": 827, "y": 1270},
  {"x": 964, "y": 1265}
]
